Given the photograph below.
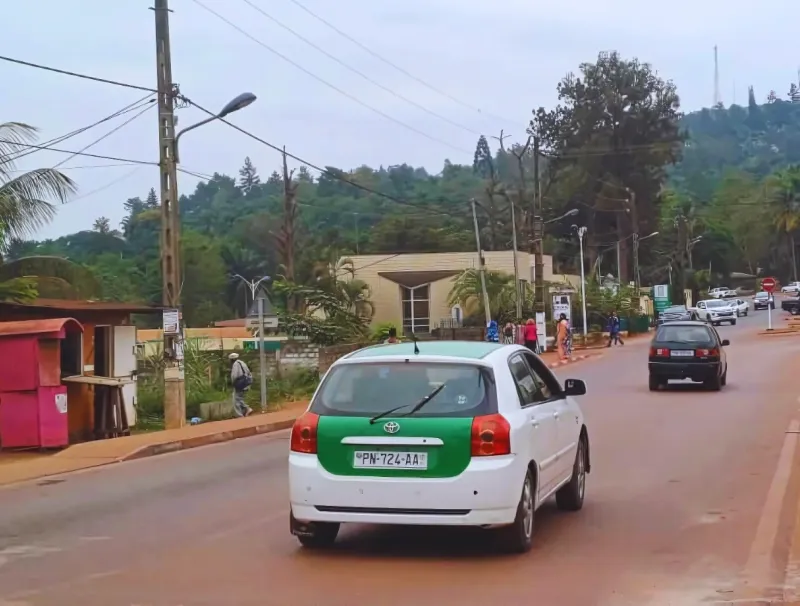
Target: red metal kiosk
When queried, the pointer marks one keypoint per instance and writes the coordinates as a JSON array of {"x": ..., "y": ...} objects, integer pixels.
[{"x": 33, "y": 401}]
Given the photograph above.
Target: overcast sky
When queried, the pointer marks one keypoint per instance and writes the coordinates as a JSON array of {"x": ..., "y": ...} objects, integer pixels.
[{"x": 503, "y": 57}]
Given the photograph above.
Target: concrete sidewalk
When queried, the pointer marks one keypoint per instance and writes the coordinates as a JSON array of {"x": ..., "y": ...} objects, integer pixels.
[{"x": 26, "y": 466}]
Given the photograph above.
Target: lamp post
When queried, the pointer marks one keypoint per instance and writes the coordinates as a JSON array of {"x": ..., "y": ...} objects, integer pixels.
[
  {"x": 636, "y": 240},
  {"x": 234, "y": 105},
  {"x": 581, "y": 231},
  {"x": 262, "y": 356}
]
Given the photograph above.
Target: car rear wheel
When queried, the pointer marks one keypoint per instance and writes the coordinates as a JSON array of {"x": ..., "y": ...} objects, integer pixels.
[
  {"x": 654, "y": 382},
  {"x": 570, "y": 496},
  {"x": 733, "y": 322},
  {"x": 314, "y": 535},
  {"x": 724, "y": 380},
  {"x": 714, "y": 384},
  {"x": 518, "y": 537}
]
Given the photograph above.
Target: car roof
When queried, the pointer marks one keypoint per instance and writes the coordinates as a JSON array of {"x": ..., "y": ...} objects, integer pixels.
[
  {"x": 474, "y": 350},
  {"x": 685, "y": 323}
]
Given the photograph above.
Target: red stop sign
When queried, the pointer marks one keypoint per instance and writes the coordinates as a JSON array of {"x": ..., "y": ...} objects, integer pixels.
[{"x": 768, "y": 284}]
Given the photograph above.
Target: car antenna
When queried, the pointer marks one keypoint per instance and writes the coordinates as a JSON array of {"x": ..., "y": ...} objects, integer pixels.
[{"x": 416, "y": 349}]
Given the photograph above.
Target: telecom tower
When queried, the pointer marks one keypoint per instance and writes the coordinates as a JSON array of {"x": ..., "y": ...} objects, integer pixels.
[{"x": 717, "y": 96}]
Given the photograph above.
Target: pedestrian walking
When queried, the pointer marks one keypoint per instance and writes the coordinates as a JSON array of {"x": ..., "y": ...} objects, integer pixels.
[
  {"x": 492, "y": 332},
  {"x": 508, "y": 333},
  {"x": 241, "y": 379},
  {"x": 531, "y": 336},
  {"x": 613, "y": 328},
  {"x": 562, "y": 336}
]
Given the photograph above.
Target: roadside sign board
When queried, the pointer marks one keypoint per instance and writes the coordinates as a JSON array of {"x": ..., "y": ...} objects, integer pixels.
[
  {"x": 661, "y": 297},
  {"x": 768, "y": 284}
]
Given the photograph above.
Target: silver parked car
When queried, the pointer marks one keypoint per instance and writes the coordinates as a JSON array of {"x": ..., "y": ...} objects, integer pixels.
[{"x": 676, "y": 313}]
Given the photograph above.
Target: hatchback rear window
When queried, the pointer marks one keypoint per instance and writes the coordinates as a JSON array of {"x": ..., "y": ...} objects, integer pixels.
[
  {"x": 684, "y": 334},
  {"x": 369, "y": 389}
]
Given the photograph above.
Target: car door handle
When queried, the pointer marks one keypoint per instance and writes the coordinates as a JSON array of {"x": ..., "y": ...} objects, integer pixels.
[
  {"x": 556, "y": 415},
  {"x": 535, "y": 423}
]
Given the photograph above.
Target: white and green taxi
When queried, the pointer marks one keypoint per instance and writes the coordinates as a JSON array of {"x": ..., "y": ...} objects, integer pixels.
[{"x": 437, "y": 433}]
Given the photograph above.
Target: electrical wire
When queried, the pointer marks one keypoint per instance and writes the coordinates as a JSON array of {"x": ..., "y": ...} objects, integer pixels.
[
  {"x": 105, "y": 136},
  {"x": 339, "y": 90},
  {"x": 397, "y": 67},
  {"x": 55, "y": 141},
  {"x": 347, "y": 66},
  {"x": 128, "y": 174},
  {"x": 68, "y": 151}
]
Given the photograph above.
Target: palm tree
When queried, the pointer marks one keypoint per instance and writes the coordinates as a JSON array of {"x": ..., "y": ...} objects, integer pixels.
[
  {"x": 500, "y": 289},
  {"x": 25, "y": 207},
  {"x": 785, "y": 197}
]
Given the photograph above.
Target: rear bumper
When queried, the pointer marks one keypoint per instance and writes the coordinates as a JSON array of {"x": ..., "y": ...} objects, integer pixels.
[
  {"x": 696, "y": 371},
  {"x": 485, "y": 494}
]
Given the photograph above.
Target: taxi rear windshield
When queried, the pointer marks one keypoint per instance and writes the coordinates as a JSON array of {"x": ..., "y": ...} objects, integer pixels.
[
  {"x": 369, "y": 389},
  {"x": 684, "y": 334}
]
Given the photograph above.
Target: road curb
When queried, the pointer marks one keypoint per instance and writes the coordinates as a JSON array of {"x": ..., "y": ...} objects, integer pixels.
[
  {"x": 574, "y": 360},
  {"x": 152, "y": 450}
]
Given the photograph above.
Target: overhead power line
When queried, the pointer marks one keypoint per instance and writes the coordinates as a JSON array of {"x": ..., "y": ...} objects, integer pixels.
[
  {"x": 358, "y": 72},
  {"x": 85, "y": 154},
  {"x": 339, "y": 90},
  {"x": 403, "y": 71},
  {"x": 128, "y": 108}
]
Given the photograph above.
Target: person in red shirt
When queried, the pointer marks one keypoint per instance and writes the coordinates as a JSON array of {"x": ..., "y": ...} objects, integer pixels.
[{"x": 531, "y": 336}]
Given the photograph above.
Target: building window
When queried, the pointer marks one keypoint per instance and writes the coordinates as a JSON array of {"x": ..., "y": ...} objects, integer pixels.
[{"x": 416, "y": 309}]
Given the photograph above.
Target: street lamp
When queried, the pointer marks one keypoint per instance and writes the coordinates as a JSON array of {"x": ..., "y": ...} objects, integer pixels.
[
  {"x": 262, "y": 356},
  {"x": 569, "y": 213},
  {"x": 636, "y": 240},
  {"x": 234, "y": 105},
  {"x": 689, "y": 246},
  {"x": 581, "y": 231}
]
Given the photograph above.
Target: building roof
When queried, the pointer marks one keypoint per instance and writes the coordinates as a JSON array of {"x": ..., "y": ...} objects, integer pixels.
[
  {"x": 72, "y": 305},
  {"x": 456, "y": 349},
  {"x": 410, "y": 279},
  {"x": 56, "y": 327}
]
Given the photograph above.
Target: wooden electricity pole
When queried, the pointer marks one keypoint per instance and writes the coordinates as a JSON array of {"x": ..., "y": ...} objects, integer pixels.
[
  {"x": 538, "y": 233},
  {"x": 174, "y": 388}
]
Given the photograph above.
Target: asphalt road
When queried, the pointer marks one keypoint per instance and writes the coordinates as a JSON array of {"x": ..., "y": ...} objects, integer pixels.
[{"x": 690, "y": 501}]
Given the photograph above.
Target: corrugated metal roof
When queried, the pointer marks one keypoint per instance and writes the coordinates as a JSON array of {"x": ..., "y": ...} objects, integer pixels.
[
  {"x": 70, "y": 305},
  {"x": 39, "y": 327}
]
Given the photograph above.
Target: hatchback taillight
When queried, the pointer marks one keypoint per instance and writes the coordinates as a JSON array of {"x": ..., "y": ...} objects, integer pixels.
[
  {"x": 706, "y": 353},
  {"x": 304, "y": 434},
  {"x": 656, "y": 352},
  {"x": 491, "y": 436}
]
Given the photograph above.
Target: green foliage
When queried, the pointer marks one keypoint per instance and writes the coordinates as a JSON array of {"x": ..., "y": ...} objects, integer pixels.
[
  {"x": 502, "y": 295},
  {"x": 380, "y": 332}
]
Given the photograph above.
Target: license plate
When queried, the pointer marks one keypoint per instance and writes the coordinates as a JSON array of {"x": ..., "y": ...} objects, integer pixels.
[
  {"x": 390, "y": 460},
  {"x": 681, "y": 353}
]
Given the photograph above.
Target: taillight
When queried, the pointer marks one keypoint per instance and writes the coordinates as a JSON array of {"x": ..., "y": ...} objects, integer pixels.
[
  {"x": 704, "y": 353},
  {"x": 491, "y": 436},
  {"x": 659, "y": 351},
  {"x": 304, "y": 434}
]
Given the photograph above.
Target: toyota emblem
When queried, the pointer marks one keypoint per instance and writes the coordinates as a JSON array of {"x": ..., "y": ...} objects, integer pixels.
[{"x": 391, "y": 427}]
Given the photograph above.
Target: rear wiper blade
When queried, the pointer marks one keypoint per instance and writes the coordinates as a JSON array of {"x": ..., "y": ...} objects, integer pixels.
[
  {"x": 417, "y": 406},
  {"x": 425, "y": 400}
]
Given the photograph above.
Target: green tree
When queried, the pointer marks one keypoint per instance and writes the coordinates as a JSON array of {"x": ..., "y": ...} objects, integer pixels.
[
  {"x": 502, "y": 294},
  {"x": 248, "y": 176}
]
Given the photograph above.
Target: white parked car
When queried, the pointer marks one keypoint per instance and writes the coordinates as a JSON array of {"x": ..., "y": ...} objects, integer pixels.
[
  {"x": 791, "y": 288},
  {"x": 715, "y": 312},
  {"x": 741, "y": 307},
  {"x": 446, "y": 433},
  {"x": 721, "y": 292}
]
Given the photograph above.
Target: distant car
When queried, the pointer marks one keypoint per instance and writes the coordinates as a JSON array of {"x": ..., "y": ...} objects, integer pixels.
[
  {"x": 792, "y": 305},
  {"x": 688, "y": 350},
  {"x": 721, "y": 292},
  {"x": 741, "y": 306},
  {"x": 763, "y": 300},
  {"x": 441, "y": 434},
  {"x": 675, "y": 313},
  {"x": 715, "y": 312},
  {"x": 791, "y": 288}
]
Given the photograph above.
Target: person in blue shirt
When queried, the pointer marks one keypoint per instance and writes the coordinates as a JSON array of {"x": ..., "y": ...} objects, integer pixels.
[
  {"x": 613, "y": 328},
  {"x": 492, "y": 333}
]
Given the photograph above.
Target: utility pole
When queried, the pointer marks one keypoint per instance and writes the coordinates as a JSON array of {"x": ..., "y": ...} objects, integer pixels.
[
  {"x": 538, "y": 233},
  {"x": 581, "y": 233},
  {"x": 481, "y": 265},
  {"x": 517, "y": 288},
  {"x": 174, "y": 388},
  {"x": 680, "y": 224},
  {"x": 636, "y": 263}
]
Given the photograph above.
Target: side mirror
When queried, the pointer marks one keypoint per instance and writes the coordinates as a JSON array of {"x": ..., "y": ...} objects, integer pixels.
[
  {"x": 725, "y": 342},
  {"x": 574, "y": 387}
]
